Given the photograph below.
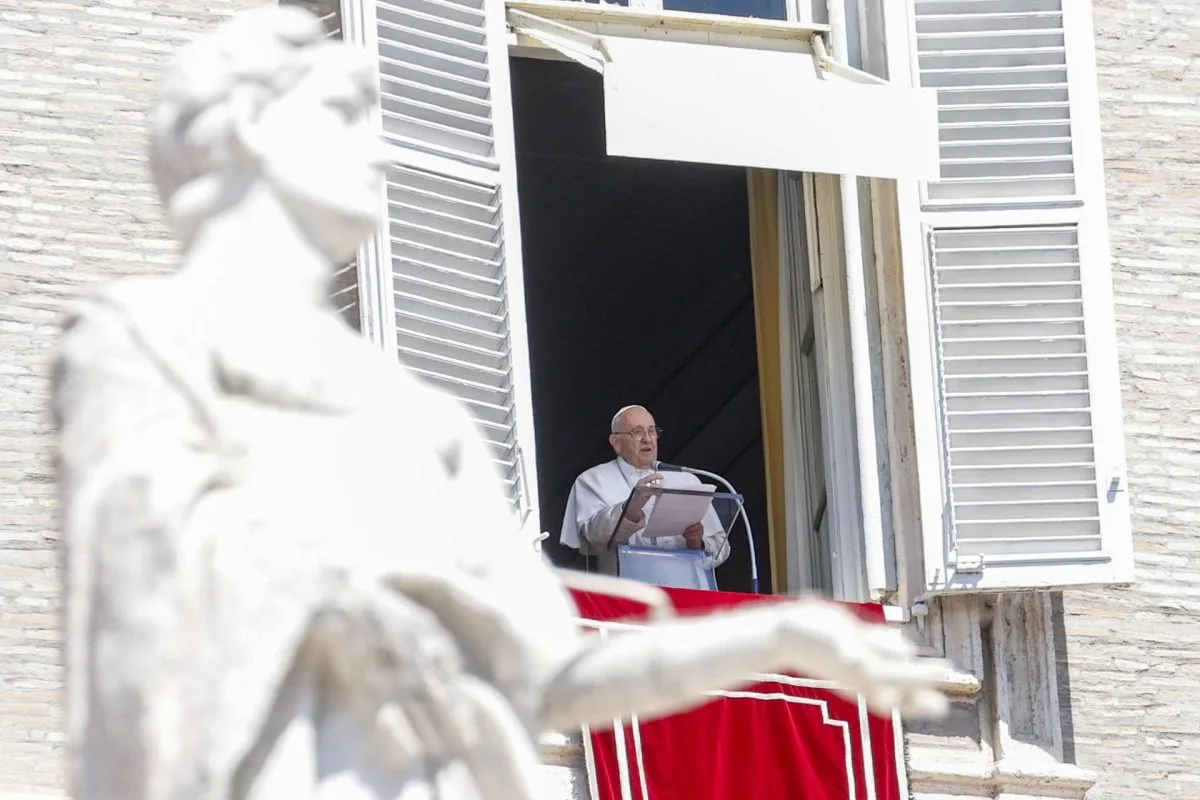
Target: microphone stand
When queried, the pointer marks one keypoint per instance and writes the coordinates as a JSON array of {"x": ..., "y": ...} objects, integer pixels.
[{"x": 741, "y": 510}]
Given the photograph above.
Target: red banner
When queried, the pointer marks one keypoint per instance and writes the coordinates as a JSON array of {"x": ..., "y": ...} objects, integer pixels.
[{"x": 788, "y": 739}]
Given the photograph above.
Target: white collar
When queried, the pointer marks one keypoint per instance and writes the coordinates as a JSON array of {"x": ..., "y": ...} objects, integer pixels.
[{"x": 626, "y": 469}]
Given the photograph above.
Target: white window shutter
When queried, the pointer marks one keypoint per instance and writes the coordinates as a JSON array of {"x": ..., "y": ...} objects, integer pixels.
[
  {"x": 1019, "y": 303},
  {"x": 1000, "y": 68},
  {"x": 451, "y": 256}
]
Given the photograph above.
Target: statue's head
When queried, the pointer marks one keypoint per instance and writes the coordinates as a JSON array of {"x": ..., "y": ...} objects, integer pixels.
[{"x": 267, "y": 101}]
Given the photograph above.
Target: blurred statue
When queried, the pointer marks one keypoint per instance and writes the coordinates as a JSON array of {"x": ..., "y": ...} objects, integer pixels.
[{"x": 290, "y": 571}]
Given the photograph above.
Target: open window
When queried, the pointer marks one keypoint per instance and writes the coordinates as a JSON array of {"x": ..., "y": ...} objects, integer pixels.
[
  {"x": 444, "y": 286},
  {"x": 639, "y": 287},
  {"x": 764, "y": 95}
]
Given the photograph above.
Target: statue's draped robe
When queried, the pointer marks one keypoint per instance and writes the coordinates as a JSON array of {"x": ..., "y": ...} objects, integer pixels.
[{"x": 220, "y": 484}]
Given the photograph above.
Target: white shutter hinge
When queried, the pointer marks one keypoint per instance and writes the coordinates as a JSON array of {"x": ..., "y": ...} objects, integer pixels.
[{"x": 968, "y": 565}]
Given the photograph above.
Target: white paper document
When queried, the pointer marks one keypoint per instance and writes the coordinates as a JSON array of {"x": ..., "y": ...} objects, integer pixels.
[{"x": 671, "y": 513}]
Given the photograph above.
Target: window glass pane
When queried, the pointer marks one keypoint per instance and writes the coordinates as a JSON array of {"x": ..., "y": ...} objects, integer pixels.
[{"x": 762, "y": 9}]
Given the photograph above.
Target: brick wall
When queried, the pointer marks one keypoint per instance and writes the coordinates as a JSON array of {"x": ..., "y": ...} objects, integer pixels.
[
  {"x": 1134, "y": 656},
  {"x": 75, "y": 208}
]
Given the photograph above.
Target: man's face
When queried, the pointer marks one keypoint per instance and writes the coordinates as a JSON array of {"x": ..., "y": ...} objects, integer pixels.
[{"x": 636, "y": 438}]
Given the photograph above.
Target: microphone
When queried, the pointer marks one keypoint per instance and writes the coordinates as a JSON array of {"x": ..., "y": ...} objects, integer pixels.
[{"x": 662, "y": 466}]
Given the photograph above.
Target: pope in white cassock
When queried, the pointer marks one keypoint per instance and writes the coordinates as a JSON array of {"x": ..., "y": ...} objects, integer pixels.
[{"x": 598, "y": 495}]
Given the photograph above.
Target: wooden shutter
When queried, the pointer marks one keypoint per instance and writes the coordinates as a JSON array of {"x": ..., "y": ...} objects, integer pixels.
[
  {"x": 1004, "y": 121},
  {"x": 1018, "y": 296},
  {"x": 452, "y": 251}
]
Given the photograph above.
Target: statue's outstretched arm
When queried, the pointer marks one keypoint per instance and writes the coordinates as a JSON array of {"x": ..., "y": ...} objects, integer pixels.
[{"x": 669, "y": 667}]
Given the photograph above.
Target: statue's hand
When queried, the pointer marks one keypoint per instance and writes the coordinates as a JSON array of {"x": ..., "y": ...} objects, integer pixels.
[
  {"x": 829, "y": 643},
  {"x": 404, "y": 671}
]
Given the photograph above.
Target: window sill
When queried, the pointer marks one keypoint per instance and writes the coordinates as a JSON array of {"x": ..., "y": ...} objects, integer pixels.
[{"x": 938, "y": 771}]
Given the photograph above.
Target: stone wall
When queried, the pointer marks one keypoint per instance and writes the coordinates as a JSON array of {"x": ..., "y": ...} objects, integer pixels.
[
  {"x": 76, "y": 208},
  {"x": 1133, "y": 657}
]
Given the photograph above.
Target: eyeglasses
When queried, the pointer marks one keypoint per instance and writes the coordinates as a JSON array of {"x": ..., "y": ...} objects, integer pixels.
[{"x": 638, "y": 433}]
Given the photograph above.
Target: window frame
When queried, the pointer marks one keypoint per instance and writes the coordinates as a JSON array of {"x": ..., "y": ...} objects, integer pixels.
[
  {"x": 827, "y": 272},
  {"x": 825, "y": 115}
]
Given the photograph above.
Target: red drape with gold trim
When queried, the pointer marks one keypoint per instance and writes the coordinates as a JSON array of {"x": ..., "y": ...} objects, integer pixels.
[{"x": 769, "y": 741}]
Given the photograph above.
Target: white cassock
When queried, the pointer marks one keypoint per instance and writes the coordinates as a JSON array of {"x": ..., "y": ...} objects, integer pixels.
[{"x": 594, "y": 508}]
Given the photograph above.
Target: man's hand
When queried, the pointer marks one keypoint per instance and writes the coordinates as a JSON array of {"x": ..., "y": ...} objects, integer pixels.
[
  {"x": 652, "y": 482},
  {"x": 694, "y": 536}
]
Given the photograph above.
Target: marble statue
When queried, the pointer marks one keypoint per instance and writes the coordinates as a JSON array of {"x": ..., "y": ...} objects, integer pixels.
[{"x": 290, "y": 571}]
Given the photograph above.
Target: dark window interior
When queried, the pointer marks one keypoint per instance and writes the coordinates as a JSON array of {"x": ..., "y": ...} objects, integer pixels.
[{"x": 638, "y": 290}]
